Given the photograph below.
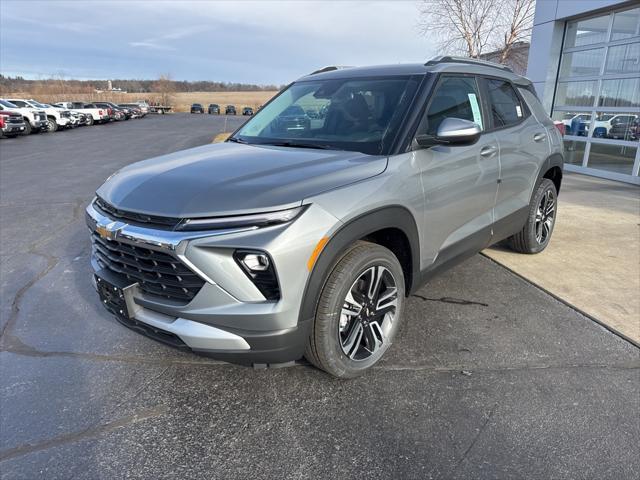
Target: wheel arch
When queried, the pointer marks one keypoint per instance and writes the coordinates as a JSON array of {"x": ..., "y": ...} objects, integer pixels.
[
  {"x": 552, "y": 169},
  {"x": 393, "y": 227}
]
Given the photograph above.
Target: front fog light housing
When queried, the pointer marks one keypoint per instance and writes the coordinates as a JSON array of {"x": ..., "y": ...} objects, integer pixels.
[
  {"x": 256, "y": 262},
  {"x": 259, "y": 268}
]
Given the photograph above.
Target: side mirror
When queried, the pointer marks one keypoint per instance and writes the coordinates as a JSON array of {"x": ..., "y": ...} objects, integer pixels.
[
  {"x": 452, "y": 131},
  {"x": 456, "y": 131}
]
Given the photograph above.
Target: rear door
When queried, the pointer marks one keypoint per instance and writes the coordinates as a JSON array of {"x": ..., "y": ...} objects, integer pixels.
[
  {"x": 524, "y": 145},
  {"x": 459, "y": 182}
]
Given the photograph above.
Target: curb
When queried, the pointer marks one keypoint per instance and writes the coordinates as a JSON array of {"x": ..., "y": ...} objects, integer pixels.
[{"x": 565, "y": 302}]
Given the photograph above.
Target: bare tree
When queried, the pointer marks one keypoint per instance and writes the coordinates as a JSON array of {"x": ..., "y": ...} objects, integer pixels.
[
  {"x": 473, "y": 27},
  {"x": 165, "y": 89}
]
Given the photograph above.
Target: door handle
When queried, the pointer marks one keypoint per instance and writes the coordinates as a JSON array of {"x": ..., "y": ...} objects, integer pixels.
[
  {"x": 488, "y": 151},
  {"x": 538, "y": 137}
]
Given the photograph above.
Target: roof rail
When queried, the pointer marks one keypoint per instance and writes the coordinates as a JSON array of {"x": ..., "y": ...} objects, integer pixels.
[
  {"x": 328, "y": 69},
  {"x": 471, "y": 61}
]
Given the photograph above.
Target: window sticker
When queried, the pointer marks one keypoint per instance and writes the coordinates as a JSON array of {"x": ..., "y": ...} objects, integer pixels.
[
  {"x": 475, "y": 109},
  {"x": 518, "y": 111}
]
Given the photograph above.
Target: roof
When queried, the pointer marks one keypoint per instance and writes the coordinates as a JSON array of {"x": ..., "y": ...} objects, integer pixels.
[{"x": 437, "y": 65}]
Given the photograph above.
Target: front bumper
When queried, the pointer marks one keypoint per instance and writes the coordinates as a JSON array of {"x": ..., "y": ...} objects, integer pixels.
[
  {"x": 228, "y": 318},
  {"x": 12, "y": 129}
]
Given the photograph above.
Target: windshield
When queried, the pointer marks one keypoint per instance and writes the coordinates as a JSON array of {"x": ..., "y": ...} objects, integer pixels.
[
  {"x": 37, "y": 104},
  {"x": 4, "y": 103},
  {"x": 361, "y": 115}
]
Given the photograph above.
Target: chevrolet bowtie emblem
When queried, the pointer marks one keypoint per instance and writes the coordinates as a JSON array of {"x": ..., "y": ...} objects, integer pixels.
[{"x": 110, "y": 230}]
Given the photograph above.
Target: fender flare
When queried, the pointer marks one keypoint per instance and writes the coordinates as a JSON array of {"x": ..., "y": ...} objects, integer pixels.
[
  {"x": 387, "y": 217},
  {"x": 554, "y": 160}
]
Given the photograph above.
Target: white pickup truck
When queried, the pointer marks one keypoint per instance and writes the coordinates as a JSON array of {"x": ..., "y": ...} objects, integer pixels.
[
  {"x": 93, "y": 112},
  {"x": 55, "y": 118},
  {"x": 35, "y": 120}
]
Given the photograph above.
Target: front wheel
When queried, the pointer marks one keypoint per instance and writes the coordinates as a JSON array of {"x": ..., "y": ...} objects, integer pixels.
[
  {"x": 27, "y": 128},
  {"x": 359, "y": 311},
  {"x": 52, "y": 125},
  {"x": 536, "y": 233}
]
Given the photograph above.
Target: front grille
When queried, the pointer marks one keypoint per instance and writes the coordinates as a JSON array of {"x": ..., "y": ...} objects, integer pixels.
[
  {"x": 164, "y": 223},
  {"x": 157, "y": 273}
]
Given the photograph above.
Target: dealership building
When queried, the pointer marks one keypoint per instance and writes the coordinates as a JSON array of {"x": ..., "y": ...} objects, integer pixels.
[{"x": 584, "y": 61}]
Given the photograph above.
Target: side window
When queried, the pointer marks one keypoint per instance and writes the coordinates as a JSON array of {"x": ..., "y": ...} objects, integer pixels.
[
  {"x": 506, "y": 107},
  {"x": 455, "y": 97}
]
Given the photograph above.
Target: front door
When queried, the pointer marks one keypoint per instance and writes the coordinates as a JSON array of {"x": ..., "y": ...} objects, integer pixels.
[{"x": 459, "y": 182}]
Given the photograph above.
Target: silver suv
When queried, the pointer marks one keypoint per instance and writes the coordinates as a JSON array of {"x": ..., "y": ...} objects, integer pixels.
[{"x": 305, "y": 232}]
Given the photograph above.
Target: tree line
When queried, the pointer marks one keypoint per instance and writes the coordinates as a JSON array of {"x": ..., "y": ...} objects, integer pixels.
[{"x": 19, "y": 84}]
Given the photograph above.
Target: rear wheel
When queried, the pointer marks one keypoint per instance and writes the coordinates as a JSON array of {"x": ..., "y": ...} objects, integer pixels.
[
  {"x": 90, "y": 120},
  {"x": 536, "y": 233},
  {"x": 359, "y": 311}
]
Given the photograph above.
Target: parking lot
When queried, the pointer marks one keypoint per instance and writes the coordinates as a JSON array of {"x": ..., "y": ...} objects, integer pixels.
[{"x": 489, "y": 378}]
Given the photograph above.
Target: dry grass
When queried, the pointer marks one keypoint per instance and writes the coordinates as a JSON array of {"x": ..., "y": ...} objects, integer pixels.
[{"x": 181, "y": 101}]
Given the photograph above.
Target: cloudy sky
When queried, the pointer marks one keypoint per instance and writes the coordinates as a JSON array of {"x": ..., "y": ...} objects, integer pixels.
[{"x": 237, "y": 41}]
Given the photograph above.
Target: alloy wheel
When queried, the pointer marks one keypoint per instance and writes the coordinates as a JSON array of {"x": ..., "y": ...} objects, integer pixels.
[
  {"x": 368, "y": 313},
  {"x": 545, "y": 216}
]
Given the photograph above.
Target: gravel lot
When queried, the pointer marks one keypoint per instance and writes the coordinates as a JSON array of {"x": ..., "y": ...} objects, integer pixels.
[{"x": 490, "y": 377}]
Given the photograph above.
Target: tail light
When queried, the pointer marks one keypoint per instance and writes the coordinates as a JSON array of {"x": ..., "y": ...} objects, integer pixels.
[
  {"x": 100, "y": 112},
  {"x": 1, "y": 121},
  {"x": 561, "y": 127}
]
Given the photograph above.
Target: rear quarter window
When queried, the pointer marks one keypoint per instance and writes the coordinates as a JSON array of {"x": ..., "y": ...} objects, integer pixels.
[{"x": 506, "y": 108}]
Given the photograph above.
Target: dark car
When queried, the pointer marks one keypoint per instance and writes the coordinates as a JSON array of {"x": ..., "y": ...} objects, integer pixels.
[
  {"x": 247, "y": 111},
  {"x": 230, "y": 110},
  {"x": 197, "y": 108},
  {"x": 292, "y": 119},
  {"x": 136, "y": 111},
  {"x": 115, "y": 112},
  {"x": 214, "y": 109},
  {"x": 626, "y": 129}
]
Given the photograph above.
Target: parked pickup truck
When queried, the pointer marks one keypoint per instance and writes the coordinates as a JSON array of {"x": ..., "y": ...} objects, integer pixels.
[
  {"x": 11, "y": 124},
  {"x": 94, "y": 113},
  {"x": 35, "y": 120},
  {"x": 55, "y": 117}
]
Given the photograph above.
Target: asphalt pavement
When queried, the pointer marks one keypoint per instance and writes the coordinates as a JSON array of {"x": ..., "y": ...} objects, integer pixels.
[{"x": 489, "y": 378}]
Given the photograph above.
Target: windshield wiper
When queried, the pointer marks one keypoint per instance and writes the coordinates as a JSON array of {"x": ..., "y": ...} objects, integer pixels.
[
  {"x": 300, "y": 145},
  {"x": 236, "y": 140}
]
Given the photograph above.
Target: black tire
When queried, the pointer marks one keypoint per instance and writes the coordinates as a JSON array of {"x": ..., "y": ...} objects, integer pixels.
[
  {"x": 52, "y": 124},
  {"x": 325, "y": 346},
  {"x": 27, "y": 127},
  {"x": 90, "y": 120},
  {"x": 536, "y": 233}
]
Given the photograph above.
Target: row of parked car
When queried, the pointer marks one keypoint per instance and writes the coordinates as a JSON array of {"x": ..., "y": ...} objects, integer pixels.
[
  {"x": 20, "y": 116},
  {"x": 621, "y": 126},
  {"x": 214, "y": 109}
]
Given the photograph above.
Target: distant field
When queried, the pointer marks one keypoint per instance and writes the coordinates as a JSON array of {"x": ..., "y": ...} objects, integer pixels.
[{"x": 181, "y": 101}]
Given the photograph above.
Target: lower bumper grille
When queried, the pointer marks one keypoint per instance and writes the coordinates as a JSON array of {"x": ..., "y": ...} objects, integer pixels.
[{"x": 157, "y": 273}]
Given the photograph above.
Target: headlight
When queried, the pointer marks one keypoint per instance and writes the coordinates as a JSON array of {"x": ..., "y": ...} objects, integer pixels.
[{"x": 257, "y": 220}]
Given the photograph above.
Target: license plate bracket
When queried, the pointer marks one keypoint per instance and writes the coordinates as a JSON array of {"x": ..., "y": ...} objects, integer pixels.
[{"x": 112, "y": 297}]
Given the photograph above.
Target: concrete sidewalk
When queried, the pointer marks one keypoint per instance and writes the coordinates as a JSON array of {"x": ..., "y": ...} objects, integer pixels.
[{"x": 593, "y": 261}]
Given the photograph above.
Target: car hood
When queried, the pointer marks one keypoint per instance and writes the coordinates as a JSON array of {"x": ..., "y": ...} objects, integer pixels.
[{"x": 231, "y": 178}]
